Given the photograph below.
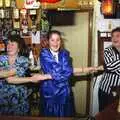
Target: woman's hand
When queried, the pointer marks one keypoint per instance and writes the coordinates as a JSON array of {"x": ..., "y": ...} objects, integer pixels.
[
  {"x": 18, "y": 80},
  {"x": 38, "y": 77},
  {"x": 93, "y": 69},
  {"x": 7, "y": 73},
  {"x": 100, "y": 67},
  {"x": 77, "y": 71},
  {"x": 9, "y": 79},
  {"x": 34, "y": 79}
]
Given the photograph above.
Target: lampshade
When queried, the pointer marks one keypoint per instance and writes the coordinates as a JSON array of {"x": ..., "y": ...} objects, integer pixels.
[
  {"x": 107, "y": 7},
  {"x": 49, "y": 1}
]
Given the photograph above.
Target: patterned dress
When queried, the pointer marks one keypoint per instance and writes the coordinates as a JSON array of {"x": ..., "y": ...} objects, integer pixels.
[
  {"x": 55, "y": 94},
  {"x": 14, "y": 98}
]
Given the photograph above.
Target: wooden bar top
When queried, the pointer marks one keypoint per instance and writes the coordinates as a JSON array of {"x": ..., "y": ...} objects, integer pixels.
[
  {"x": 109, "y": 113},
  {"x": 31, "y": 118}
]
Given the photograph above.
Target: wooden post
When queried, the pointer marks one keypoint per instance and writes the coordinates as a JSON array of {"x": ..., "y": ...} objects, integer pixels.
[{"x": 119, "y": 106}]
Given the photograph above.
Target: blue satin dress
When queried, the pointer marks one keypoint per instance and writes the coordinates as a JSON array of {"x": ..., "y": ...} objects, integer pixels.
[{"x": 56, "y": 99}]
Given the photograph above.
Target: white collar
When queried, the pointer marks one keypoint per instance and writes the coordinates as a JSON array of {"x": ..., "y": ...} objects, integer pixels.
[
  {"x": 53, "y": 52},
  {"x": 55, "y": 55}
]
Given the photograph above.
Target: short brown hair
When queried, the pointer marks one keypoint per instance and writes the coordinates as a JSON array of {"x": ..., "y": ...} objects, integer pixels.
[{"x": 115, "y": 30}]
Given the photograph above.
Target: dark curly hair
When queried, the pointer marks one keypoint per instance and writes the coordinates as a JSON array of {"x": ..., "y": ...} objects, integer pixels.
[{"x": 23, "y": 49}]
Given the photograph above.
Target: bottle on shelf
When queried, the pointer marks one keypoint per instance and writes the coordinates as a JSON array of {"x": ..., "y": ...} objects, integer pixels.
[
  {"x": 31, "y": 58},
  {"x": 33, "y": 17},
  {"x": 2, "y": 15},
  {"x": 16, "y": 18},
  {"x": 24, "y": 22},
  {"x": 44, "y": 23},
  {"x": 16, "y": 12}
]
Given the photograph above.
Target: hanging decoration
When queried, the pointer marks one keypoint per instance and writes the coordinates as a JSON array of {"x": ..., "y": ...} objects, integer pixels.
[
  {"x": 31, "y": 4},
  {"x": 49, "y": 1},
  {"x": 107, "y": 7}
]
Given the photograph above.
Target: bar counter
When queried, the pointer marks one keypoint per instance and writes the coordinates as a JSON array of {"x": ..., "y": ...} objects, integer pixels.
[
  {"x": 109, "y": 113},
  {"x": 31, "y": 118}
]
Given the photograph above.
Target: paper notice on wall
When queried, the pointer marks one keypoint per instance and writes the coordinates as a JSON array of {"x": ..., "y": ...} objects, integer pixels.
[
  {"x": 31, "y": 4},
  {"x": 35, "y": 37},
  {"x": 107, "y": 44}
]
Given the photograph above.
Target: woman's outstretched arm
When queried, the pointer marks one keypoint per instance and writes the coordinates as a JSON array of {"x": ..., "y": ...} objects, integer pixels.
[
  {"x": 78, "y": 71},
  {"x": 7, "y": 73}
]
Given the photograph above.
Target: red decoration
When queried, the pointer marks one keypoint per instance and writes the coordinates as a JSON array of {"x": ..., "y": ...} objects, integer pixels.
[
  {"x": 107, "y": 7},
  {"x": 30, "y": 2},
  {"x": 49, "y": 1}
]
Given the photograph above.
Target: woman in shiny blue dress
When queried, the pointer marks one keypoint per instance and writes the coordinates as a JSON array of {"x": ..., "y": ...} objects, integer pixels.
[{"x": 55, "y": 90}]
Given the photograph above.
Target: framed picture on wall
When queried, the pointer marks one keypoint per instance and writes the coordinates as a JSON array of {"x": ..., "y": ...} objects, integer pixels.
[{"x": 104, "y": 40}]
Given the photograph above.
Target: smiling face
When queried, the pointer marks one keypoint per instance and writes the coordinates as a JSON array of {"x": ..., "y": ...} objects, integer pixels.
[
  {"x": 12, "y": 48},
  {"x": 55, "y": 42},
  {"x": 116, "y": 39}
]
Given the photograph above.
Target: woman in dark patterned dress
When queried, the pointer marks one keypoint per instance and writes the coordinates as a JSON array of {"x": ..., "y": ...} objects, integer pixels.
[{"x": 13, "y": 94}]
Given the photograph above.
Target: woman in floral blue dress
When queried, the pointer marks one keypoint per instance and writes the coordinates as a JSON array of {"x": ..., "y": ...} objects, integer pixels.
[{"x": 13, "y": 93}]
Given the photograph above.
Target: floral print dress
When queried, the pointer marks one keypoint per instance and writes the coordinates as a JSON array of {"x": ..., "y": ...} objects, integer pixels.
[{"x": 14, "y": 98}]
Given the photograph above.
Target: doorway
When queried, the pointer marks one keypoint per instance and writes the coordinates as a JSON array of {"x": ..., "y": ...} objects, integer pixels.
[{"x": 76, "y": 27}]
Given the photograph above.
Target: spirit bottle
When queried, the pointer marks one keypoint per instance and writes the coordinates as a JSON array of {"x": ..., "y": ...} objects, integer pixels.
[
  {"x": 33, "y": 16},
  {"x": 16, "y": 17},
  {"x": 16, "y": 14},
  {"x": 24, "y": 26},
  {"x": 2, "y": 15},
  {"x": 24, "y": 22},
  {"x": 31, "y": 57}
]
